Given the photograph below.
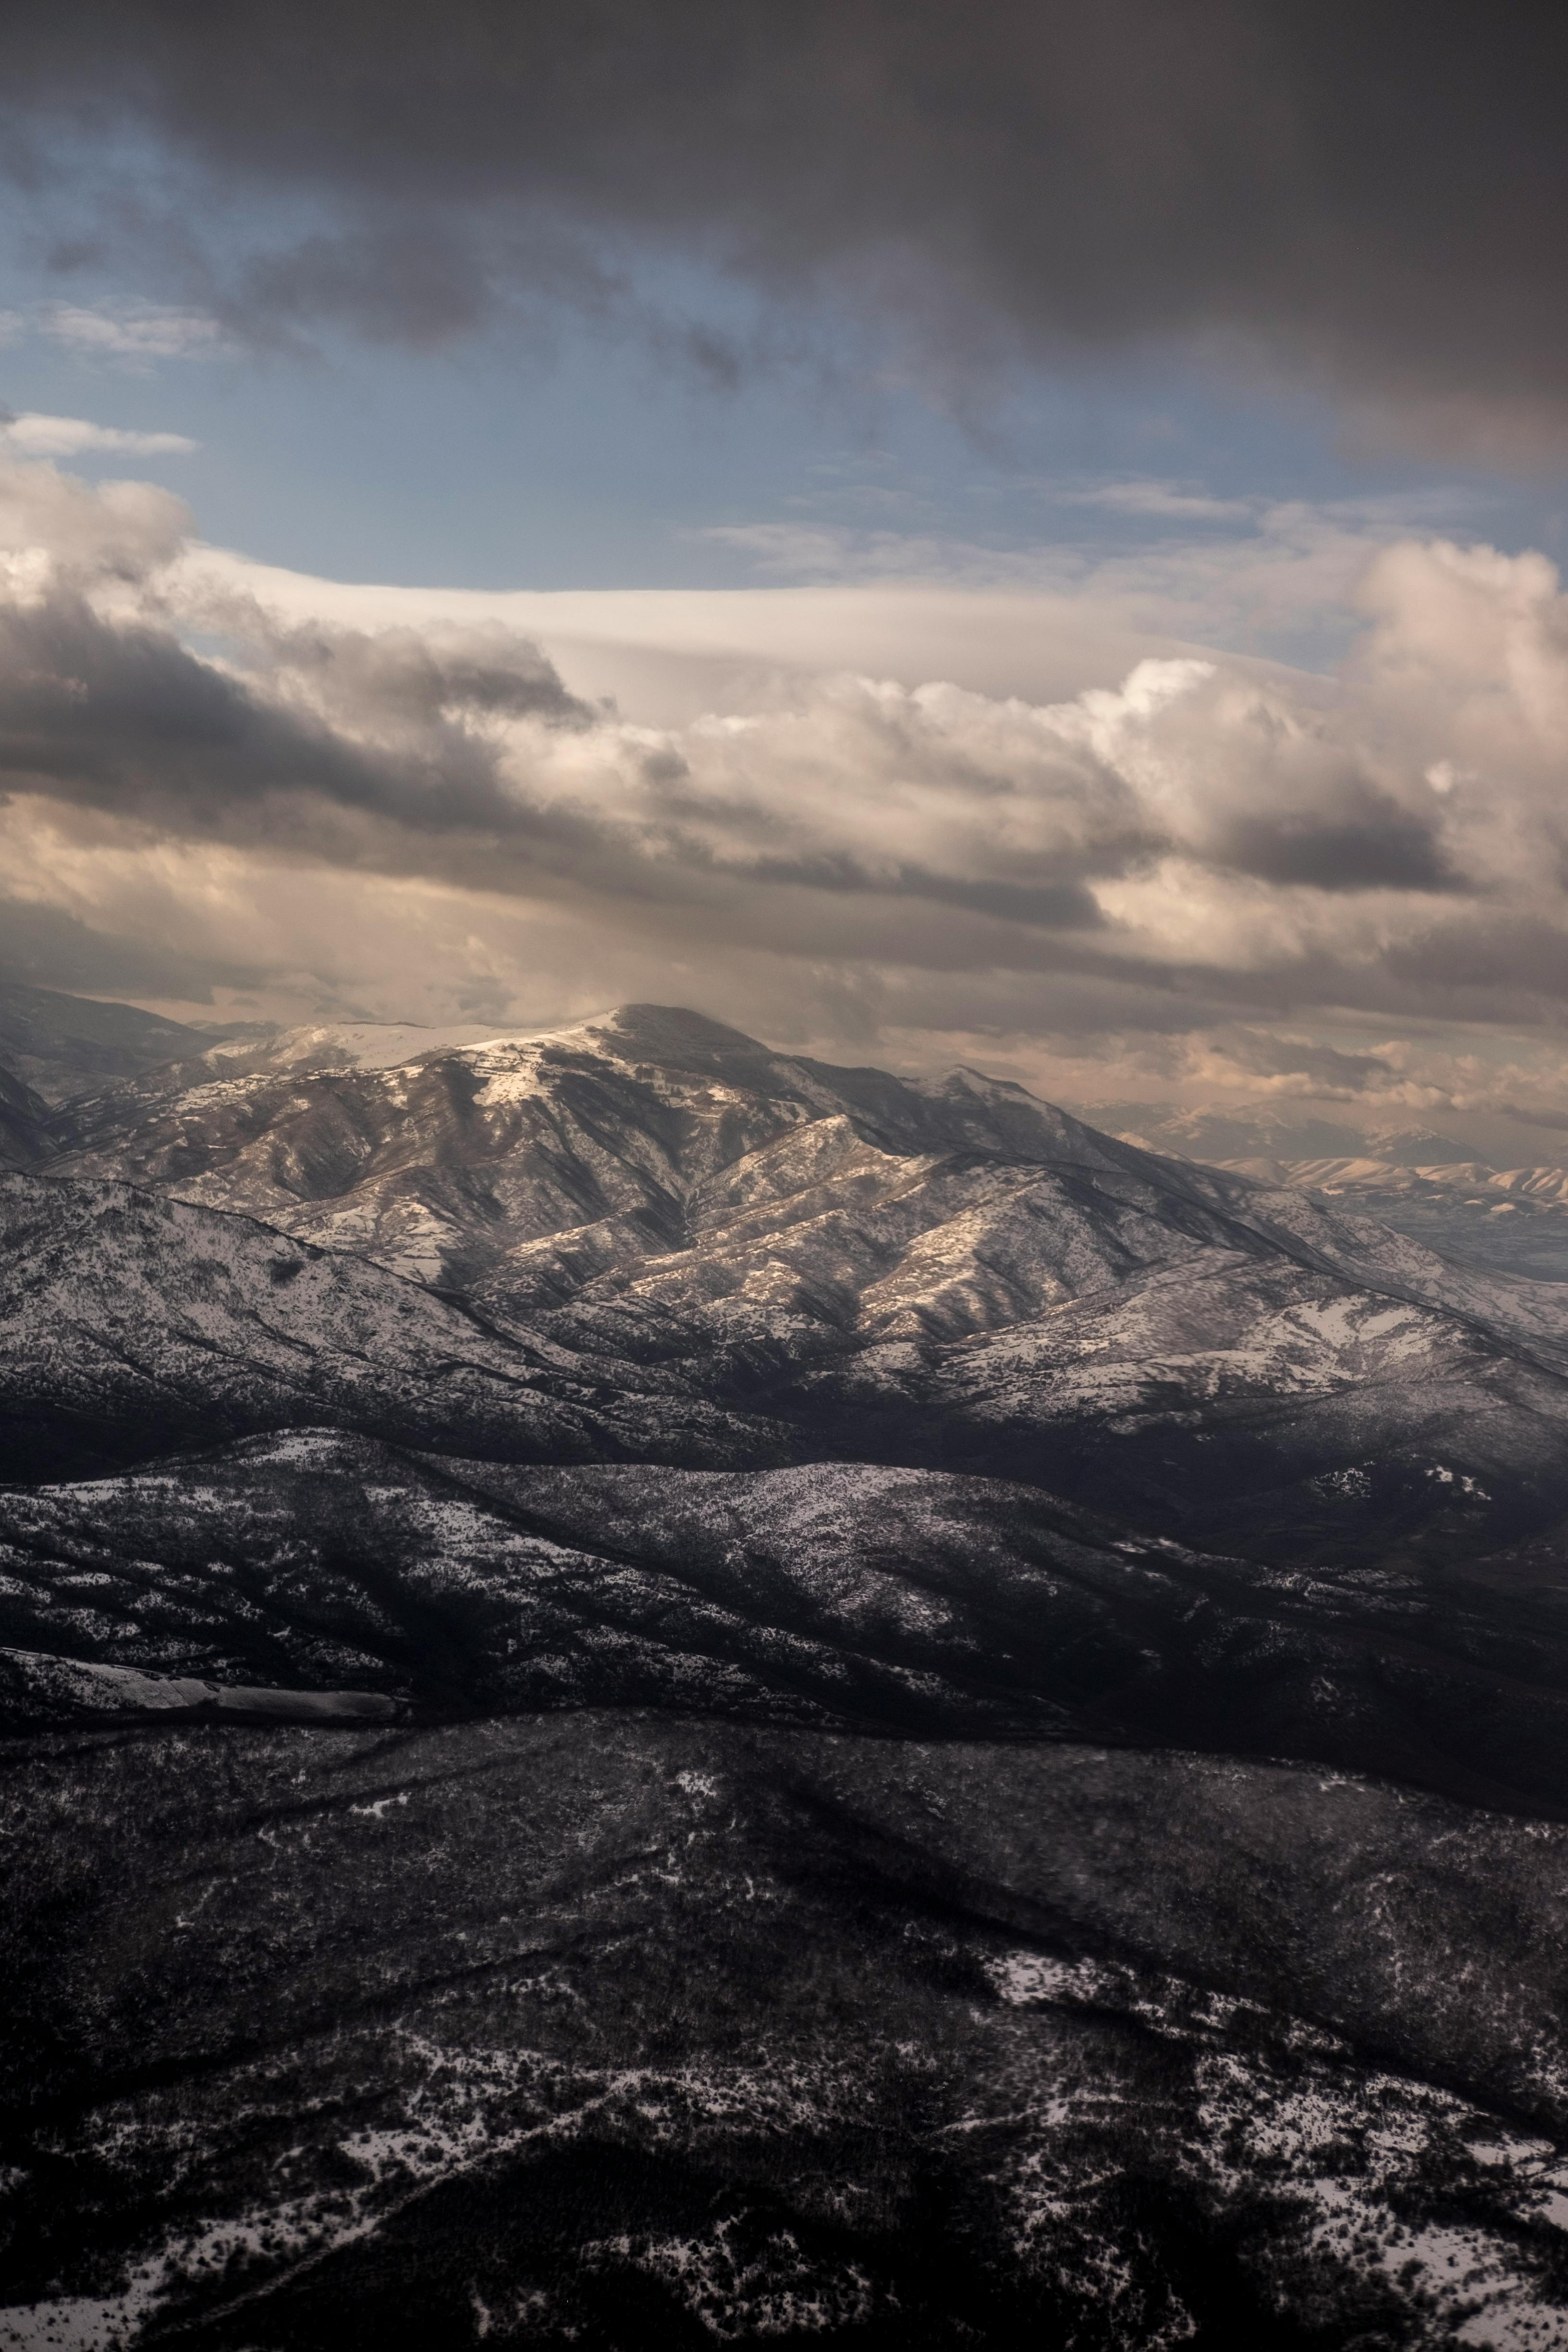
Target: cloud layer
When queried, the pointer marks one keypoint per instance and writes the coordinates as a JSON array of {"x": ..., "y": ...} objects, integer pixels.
[
  {"x": 1370, "y": 199},
  {"x": 32, "y": 435},
  {"x": 1210, "y": 873}
]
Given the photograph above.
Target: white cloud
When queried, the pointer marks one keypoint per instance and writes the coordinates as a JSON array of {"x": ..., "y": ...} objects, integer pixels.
[
  {"x": 135, "y": 333},
  {"x": 1162, "y": 501},
  {"x": 34, "y": 436}
]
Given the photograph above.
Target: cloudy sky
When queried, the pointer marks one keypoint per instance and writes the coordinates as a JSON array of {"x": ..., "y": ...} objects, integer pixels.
[{"x": 1026, "y": 534}]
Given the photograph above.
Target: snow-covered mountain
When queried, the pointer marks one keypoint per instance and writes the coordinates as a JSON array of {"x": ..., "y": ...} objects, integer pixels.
[
  {"x": 931, "y": 1273},
  {"x": 442, "y": 1164},
  {"x": 130, "y": 1325},
  {"x": 662, "y": 1694}
]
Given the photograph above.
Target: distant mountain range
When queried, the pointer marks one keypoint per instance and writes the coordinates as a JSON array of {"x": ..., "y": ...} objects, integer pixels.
[
  {"x": 1512, "y": 1215},
  {"x": 1218, "y": 1132},
  {"x": 659, "y": 1693},
  {"x": 61, "y": 1045}
]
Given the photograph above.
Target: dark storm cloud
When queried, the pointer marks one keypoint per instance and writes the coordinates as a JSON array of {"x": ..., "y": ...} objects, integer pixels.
[
  {"x": 929, "y": 829},
  {"x": 1328, "y": 1070},
  {"x": 1056, "y": 904},
  {"x": 1045, "y": 905},
  {"x": 1379, "y": 846},
  {"x": 1490, "y": 962},
  {"x": 452, "y": 752},
  {"x": 1377, "y": 193},
  {"x": 124, "y": 717}
]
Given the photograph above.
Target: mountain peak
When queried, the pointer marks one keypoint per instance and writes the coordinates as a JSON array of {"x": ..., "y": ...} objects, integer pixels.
[{"x": 675, "y": 1032}]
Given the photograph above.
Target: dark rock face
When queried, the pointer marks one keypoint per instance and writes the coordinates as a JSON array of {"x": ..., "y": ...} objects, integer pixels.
[{"x": 881, "y": 1720}]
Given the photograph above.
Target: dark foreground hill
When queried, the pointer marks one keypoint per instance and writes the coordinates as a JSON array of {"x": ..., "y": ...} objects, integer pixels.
[
  {"x": 24, "y": 1137},
  {"x": 904, "y": 1603},
  {"x": 661, "y": 1696},
  {"x": 624, "y": 2031}
]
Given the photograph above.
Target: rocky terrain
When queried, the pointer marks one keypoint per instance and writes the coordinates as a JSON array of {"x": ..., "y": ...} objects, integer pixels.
[
  {"x": 656, "y": 1694},
  {"x": 131, "y": 1325}
]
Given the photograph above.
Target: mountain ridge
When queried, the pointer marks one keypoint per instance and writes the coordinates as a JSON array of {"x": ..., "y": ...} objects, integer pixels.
[
  {"x": 59, "y": 1044},
  {"x": 651, "y": 1693},
  {"x": 941, "y": 1270}
]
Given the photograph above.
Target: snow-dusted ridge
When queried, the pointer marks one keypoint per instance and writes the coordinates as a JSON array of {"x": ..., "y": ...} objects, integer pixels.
[
  {"x": 943, "y": 1271},
  {"x": 661, "y": 1692}
]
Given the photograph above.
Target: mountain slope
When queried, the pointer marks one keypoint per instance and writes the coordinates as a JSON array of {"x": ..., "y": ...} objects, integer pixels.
[
  {"x": 899, "y": 1601},
  {"x": 130, "y": 1325},
  {"x": 627, "y": 2032},
  {"x": 25, "y": 1137},
  {"x": 443, "y": 1164},
  {"x": 64, "y": 1044},
  {"x": 938, "y": 1272},
  {"x": 867, "y": 1717}
]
